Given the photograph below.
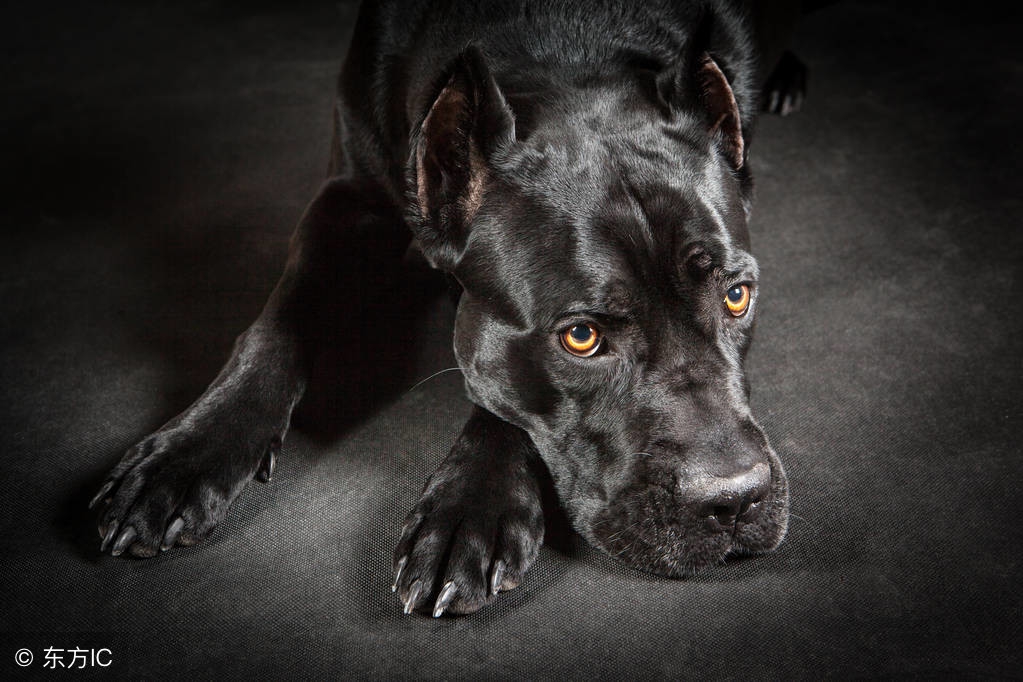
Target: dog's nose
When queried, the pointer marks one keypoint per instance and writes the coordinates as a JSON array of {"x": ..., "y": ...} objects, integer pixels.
[{"x": 723, "y": 500}]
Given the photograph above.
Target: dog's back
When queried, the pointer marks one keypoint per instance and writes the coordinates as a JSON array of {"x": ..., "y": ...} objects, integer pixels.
[{"x": 536, "y": 49}]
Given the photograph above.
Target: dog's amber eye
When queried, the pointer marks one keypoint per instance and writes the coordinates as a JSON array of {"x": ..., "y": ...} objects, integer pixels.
[
  {"x": 581, "y": 340},
  {"x": 737, "y": 300}
]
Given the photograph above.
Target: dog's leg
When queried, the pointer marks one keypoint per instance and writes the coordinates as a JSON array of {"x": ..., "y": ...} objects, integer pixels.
[
  {"x": 174, "y": 486},
  {"x": 479, "y": 524}
]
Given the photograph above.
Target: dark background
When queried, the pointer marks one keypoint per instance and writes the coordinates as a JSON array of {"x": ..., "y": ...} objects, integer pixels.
[{"x": 153, "y": 163}]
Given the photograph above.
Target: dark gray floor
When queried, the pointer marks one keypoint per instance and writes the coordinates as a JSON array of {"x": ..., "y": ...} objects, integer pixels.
[{"x": 153, "y": 163}]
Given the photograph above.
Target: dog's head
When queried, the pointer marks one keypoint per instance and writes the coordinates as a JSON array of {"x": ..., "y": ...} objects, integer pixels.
[{"x": 609, "y": 298}]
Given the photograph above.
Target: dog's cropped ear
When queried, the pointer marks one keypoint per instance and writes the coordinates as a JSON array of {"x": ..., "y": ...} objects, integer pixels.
[
  {"x": 451, "y": 152},
  {"x": 701, "y": 73},
  {"x": 722, "y": 110}
]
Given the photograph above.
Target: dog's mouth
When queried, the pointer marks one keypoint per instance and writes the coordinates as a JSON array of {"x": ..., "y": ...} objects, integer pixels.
[{"x": 647, "y": 527}]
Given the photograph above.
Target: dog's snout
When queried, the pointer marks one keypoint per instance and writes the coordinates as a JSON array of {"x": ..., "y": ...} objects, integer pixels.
[{"x": 724, "y": 500}]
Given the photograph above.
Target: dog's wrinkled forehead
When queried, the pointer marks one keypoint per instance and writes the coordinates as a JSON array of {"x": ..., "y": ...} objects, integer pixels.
[{"x": 584, "y": 216}]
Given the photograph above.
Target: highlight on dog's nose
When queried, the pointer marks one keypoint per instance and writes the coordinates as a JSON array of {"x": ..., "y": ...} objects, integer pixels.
[{"x": 726, "y": 501}]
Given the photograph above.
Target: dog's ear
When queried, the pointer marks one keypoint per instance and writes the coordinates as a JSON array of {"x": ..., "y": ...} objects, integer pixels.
[
  {"x": 701, "y": 73},
  {"x": 722, "y": 110},
  {"x": 468, "y": 123}
]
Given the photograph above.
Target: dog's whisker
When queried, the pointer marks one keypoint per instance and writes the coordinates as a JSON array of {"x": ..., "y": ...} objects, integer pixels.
[
  {"x": 804, "y": 520},
  {"x": 435, "y": 374}
]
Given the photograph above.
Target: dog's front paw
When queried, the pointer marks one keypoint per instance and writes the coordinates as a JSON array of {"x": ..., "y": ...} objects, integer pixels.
[
  {"x": 467, "y": 540},
  {"x": 785, "y": 90},
  {"x": 176, "y": 485}
]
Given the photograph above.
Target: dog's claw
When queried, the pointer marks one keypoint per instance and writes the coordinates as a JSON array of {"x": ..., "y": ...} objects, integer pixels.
[
  {"x": 103, "y": 492},
  {"x": 171, "y": 536},
  {"x": 266, "y": 468},
  {"x": 397, "y": 573},
  {"x": 444, "y": 598},
  {"x": 413, "y": 596},
  {"x": 497, "y": 577},
  {"x": 124, "y": 541},
  {"x": 109, "y": 537}
]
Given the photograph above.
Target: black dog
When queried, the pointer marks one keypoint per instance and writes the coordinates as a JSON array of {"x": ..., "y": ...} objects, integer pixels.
[{"x": 580, "y": 168}]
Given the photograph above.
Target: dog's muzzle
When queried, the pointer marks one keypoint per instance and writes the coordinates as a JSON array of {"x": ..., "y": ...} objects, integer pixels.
[{"x": 679, "y": 514}]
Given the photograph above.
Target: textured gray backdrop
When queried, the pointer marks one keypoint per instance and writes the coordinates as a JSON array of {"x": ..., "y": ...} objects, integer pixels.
[{"x": 154, "y": 161}]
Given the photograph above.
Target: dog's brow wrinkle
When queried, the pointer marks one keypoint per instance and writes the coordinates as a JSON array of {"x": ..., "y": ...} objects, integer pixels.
[
  {"x": 719, "y": 222},
  {"x": 630, "y": 191}
]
